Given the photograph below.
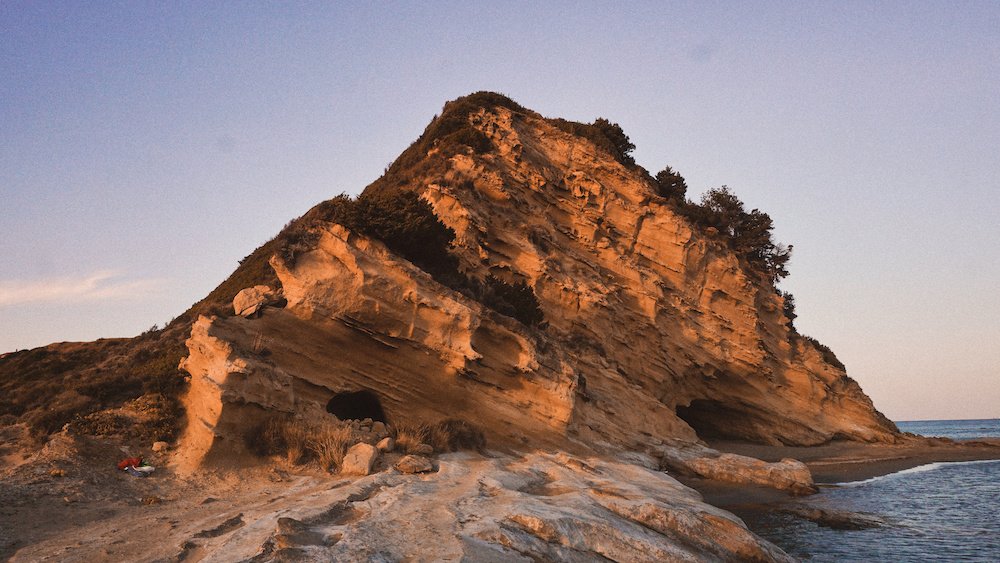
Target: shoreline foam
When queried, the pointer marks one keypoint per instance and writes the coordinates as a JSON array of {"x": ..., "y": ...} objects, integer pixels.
[{"x": 918, "y": 469}]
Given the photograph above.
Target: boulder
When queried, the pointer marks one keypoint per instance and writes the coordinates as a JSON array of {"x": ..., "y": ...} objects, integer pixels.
[
  {"x": 160, "y": 446},
  {"x": 694, "y": 460},
  {"x": 386, "y": 444},
  {"x": 414, "y": 464},
  {"x": 359, "y": 459},
  {"x": 248, "y": 302}
]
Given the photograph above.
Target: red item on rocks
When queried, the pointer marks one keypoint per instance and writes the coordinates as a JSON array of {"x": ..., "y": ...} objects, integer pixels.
[{"x": 133, "y": 461}]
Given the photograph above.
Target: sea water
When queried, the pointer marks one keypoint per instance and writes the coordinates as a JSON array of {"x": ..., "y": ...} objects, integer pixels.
[
  {"x": 936, "y": 512},
  {"x": 955, "y": 429}
]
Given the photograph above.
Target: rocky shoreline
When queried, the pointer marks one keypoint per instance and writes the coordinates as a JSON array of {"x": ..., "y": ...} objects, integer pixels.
[{"x": 498, "y": 506}]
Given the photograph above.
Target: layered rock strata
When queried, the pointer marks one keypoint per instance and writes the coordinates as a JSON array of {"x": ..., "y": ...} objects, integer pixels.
[{"x": 654, "y": 333}]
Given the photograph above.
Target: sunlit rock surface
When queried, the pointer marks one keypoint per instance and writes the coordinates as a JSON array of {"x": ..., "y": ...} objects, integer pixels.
[
  {"x": 653, "y": 332},
  {"x": 655, "y": 338}
]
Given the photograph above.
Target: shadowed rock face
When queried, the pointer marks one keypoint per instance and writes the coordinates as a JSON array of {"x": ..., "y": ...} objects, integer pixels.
[{"x": 654, "y": 331}]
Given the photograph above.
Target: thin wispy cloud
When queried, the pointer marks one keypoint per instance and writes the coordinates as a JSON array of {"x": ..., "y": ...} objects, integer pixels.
[{"x": 93, "y": 287}]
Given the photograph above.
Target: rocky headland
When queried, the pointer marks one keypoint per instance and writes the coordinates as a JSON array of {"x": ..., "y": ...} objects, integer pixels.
[{"x": 513, "y": 287}]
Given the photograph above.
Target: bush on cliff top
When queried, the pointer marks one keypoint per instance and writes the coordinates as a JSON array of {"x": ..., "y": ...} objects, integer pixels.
[
  {"x": 604, "y": 134},
  {"x": 407, "y": 225},
  {"x": 828, "y": 355},
  {"x": 749, "y": 234},
  {"x": 403, "y": 222},
  {"x": 450, "y": 133},
  {"x": 670, "y": 184}
]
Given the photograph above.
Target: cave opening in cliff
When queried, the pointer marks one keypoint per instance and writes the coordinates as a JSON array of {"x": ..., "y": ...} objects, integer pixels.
[
  {"x": 715, "y": 420},
  {"x": 356, "y": 405}
]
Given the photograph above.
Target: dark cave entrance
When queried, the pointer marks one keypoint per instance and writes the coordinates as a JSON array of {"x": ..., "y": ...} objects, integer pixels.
[
  {"x": 356, "y": 405},
  {"x": 715, "y": 420}
]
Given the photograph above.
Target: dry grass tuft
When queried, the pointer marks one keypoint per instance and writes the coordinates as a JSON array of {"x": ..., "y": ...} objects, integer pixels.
[
  {"x": 408, "y": 436},
  {"x": 453, "y": 434},
  {"x": 330, "y": 443},
  {"x": 448, "y": 435},
  {"x": 297, "y": 439},
  {"x": 326, "y": 442},
  {"x": 300, "y": 442}
]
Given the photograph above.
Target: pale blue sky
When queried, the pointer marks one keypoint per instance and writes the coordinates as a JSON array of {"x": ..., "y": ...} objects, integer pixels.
[{"x": 146, "y": 147}]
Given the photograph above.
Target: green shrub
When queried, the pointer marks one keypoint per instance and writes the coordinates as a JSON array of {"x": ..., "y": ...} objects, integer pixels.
[
  {"x": 828, "y": 355},
  {"x": 402, "y": 221},
  {"x": 295, "y": 241},
  {"x": 407, "y": 225},
  {"x": 670, "y": 184},
  {"x": 788, "y": 308},
  {"x": 749, "y": 234},
  {"x": 475, "y": 139},
  {"x": 607, "y": 136}
]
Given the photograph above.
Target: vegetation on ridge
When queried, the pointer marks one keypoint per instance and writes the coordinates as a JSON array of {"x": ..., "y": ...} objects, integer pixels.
[
  {"x": 448, "y": 134},
  {"x": 828, "y": 355},
  {"x": 407, "y": 225},
  {"x": 749, "y": 234},
  {"x": 606, "y": 135},
  {"x": 49, "y": 387},
  {"x": 403, "y": 222}
]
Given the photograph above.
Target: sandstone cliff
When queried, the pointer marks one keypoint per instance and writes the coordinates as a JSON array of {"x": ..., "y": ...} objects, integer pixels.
[{"x": 655, "y": 332}]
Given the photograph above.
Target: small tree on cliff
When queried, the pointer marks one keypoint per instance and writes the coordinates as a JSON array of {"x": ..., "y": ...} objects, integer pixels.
[
  {"x": 748, "y": 233},
  {"x": 670, "y": 184},
  {"x": 620, "y": 145},
  {"x": 788, "y": 308}
]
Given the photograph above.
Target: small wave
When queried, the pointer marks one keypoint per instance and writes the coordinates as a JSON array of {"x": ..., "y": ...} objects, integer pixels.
[{"x": 917, "y": 469}]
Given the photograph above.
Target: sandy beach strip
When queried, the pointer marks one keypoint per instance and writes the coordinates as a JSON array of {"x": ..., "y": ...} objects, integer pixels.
[
  {"x": 842, "y": 461},
  {"x": 837, "y": 462}
]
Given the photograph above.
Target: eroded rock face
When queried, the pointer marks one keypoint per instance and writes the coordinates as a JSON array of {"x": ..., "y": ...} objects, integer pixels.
[
  {"x": 251, "y": 300},
  {"x": 654, "y": 333},
  {"x": 650, "y": 308}
]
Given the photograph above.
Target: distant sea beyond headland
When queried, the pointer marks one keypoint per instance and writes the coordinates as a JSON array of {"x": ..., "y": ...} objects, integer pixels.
[{"x": 936, "y": 512}]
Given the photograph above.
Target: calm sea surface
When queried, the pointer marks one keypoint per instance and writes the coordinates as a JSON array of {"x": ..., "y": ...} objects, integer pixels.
[
  {"x": 937, "y": 512},
  {"x": 956, "y": 429}
]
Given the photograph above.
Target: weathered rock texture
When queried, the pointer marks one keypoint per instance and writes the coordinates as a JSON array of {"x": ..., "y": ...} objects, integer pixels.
[
  {"x": 251, "y": 300},
  {"x": 414, "y": 464},
  {"x": 654, "y": 331},
  {"x": 507, "y": 508},
  {"x": 536, "y": 508},
  {"x": 359, "y": 460},
  {"x": 699, "y": 461}
]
